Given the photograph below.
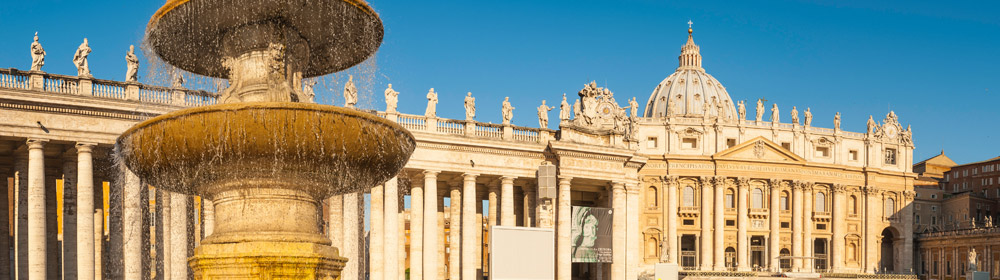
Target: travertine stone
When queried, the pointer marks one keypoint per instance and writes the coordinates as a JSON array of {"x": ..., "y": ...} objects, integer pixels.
[
  {"x": 85, "y": 209},
  {"x": 37, "y": 55},
  {"x": 797, "y": 225},
  {"x": 391, "y": 198},
  {"x": 376, "y": 237},
  {"x": 774, "y": 239},
  {"x": 179, "y": 236},
  {"x": 743, "y": 223},
  {"x": 132, "y": 226},
  {"x": 543, "y": 115},
  {"x": 391, "y": 99},
  {"x": 564, "y": 227},
  {"x": 507, "y": 201},
  {"x": 36, "y": 210},
  {"x": 706, "y": 224},
  {"x": 167, "y": 223},
  {"x": 80, "y": 59},
  {"x": 352, "y": 243},
  {"x": 416, "y": 223},
  {"x": 506, "y": 110},
  {"x": 350, "y": 92},
  {"x": 470, "y": 107},
  {"x": 431, "y": 227},
  {"x": 618, "y": 240},
  {"x": 469, "y": 226},
  {"x": 432, "y": 101},
  {"x": 455, "y": 233},
  {"x": 131, "y": 65},
  {"x": 719, "y": 226}
]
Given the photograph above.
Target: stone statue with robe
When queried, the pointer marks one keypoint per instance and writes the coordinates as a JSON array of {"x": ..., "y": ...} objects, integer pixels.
[
  {"x": 809, "y": 117},
  {"x": 565, "y": 111},
  {"x": 132, "y": 63},
  {"x": 391, "y": 99},
  {"x": 80, "y": 59},
  {"x": 470, "y": 107},
  {"x": 795, "y": 115},
  {"x": 543, "y": 115},
  {"x": 350, "y": 93},
  {"x": 742, "y": 109},
  {"x": 37, "y": 55},
  {"x": 633, "y": 107},
  {"x": 760, "y": 109},
  {"x": 507, "y": 111},
  {"x": 775, "y": 116},
  {"x": 307, "y": 91},
  {"x": 973, "y": 257},
  {"x": 836, "y": 121},
  {"x": 432, "y": 101},
  {"x": 871, "y": 125}
]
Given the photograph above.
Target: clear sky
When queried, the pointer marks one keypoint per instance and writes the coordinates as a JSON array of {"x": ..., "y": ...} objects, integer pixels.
[{"x": 933, "y": 63}]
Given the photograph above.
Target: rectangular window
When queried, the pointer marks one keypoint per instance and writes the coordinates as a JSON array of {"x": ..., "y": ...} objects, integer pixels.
[
  {"x": 730, "y": 223},
  {"x": 730, "y": 142},
  {"x": 786, "y": 145},
  {"x": 821, "y": 226},
  {"x": 933, "y": 208},
  {"x": 853, "y": 155},
  {"x": 688, "y": 222},
  {"x": 890, "y": 156},
  {"x": 784, "y": 224},
  {"x": 689, "y": 143},
  {"x": 822, "y": 152},
  {"x": 651, "y": 143}
]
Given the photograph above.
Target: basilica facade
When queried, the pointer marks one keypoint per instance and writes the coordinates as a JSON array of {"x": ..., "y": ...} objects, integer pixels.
[{"x": 692, "y": 181}]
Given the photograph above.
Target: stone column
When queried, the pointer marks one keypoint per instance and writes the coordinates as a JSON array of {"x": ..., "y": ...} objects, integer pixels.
[
  {"x": 563, "y": 229},
  {"x": 720, "y": 226},
  {"x": 632, "y": 263},
  {"x": 431, "y": 229},
  {"x": 5, "y": 222},
  {"x": 837, "y": 226},
  {"x": 208, "y": 218},
  {"x": 807, "y": 226},
  {"x": 335, "y": 229},
  {"x": 774, "y": 218},
  {"x": 618, "y": 239},
  {"x": 743, "y": 223},
  {"x": 20, "y": 201},
  {"x": 132, "y": 252},
  {"x": 507, "y": 201},
  {"x": 417, "y": 230},
  {"x": 906, "y": 260},
  {"x": 706, "y": 224},
  {"x": 670, "y": 214},
  {"x": 166, "y": 221},
  {"x": 85, "y": 211},
  {"x": 455, "y": 233},
  {"x": 797, "y": 225},
  {"x": 376, "y": 239},
  {"x": 36, "y": 210},
  {"x": 68, "y": 248},
  {"x": 529, "y": 206},
  {"x": 493, "y": 200},
  {"x": 350, "y": 249},
  {"x": 469, "y": 226},
  {"x": 98, "y": 249},
  {"x": 444, "y": 262},
  {"x": 391, "y": 226},
  {"x": 179, "y": 236},
  {"x": 871, "y": 235}
]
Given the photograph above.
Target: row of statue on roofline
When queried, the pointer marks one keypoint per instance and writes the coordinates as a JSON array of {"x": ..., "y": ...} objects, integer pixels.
[{"x": 80, "y": 60}]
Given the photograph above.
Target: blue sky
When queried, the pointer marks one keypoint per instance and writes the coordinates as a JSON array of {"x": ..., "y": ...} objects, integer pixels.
[{"x": 933, "y": 63}]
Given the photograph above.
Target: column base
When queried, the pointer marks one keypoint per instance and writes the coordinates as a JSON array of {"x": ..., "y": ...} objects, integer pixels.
[{"x": 266, "y": 260}]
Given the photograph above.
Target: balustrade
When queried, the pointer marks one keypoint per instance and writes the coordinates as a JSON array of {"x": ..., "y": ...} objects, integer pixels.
[
  {"x": 451, "y": 126},
  {"x": 61, "y": 85},
  {"x": 108, "y": 89},
  {"x": 489, "y": 130},
  {"x": 10, "y": 79},
  {"x": 411, "y": 122}
]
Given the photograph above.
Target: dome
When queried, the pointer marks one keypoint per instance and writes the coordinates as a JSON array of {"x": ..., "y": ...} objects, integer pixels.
[{"x": 689, "y": 89}]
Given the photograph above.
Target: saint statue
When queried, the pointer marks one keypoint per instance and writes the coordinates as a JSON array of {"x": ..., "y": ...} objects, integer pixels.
[
  {"x": 80, "y": 59},
  {"x": 908, "y": 135},
  {"x": 664, "y": 252},
  {"x": 670, "y": 107},
  {"x": 760, "y": 109},
  {"x": 742, "y": 110},
  {"x": 132, "y": 62},
  {"x": 871, "y": 125},
  {"x": 307, "y": 91},
  {"x": 391, "y": 98},
  {"x": 350, "y": 93},
  {"x": 972, "y": 260},
  {"x": 178, "y": 80},
  {"x": 37, "y": 55},
  {"x": 836, "y": 121},
  {"x": 564, "y": 109},
  {"x": 775, "y": 116},
  {"x": 633, "y": 107},
  {"x": 470, "y": 107},
  {"x": 507, "y": 111},
  {"x": 432, "y": 101},
  {"x": 543, "y": 115},
  {"x": 795, "y": 115},
  {"x": 809, "y": 117}
]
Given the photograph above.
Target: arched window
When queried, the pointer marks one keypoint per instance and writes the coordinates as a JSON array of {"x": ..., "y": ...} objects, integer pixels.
[
  {"x": 651, "y": 196},
  {"x": 652, "y": 247},
  {"x": 785, "y": 262},
  {"x": 688, "y": 196},
  {"x": 757, "y": 199},
  {"x": 820, "y": 202},
  {"x": 784, "y": 200},
  {"x": 730, "y": 201},
  {"x": 853, "y": 205},
  {"x": 890, "y": 207}
]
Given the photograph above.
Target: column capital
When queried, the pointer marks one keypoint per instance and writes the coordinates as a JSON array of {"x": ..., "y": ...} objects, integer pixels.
[
  {"x": 871, "y": 191},
  {"x": 507, "y": 179},
  {"x": 909, "y": 195},
  {"x": 565, "y": 180},
  {"x": 775, "y": 183},
  {"x": 669, "y": 180},
  {"x": 616, "y": 186},
  {"x": 431, "y": 173},
  {"x": 743, "y": 182},
  {"x": 469, "y": 176},
  {"x": 719, "y": 180},
  {"x": 36, "y": 143},
  {"x": 85, "y": 147},
  {"x": 838, "y": 188}
]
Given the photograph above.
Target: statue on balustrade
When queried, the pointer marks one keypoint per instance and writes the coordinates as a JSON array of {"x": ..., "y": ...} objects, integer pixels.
[
  {"x": 507, "y": 111},
  {"x": 795, "y": 115},
  {"x": 350, "y": 92},
  {"x": 742, "y": 111},
  {"x": 470, "y": 107},
  {"x": 178, "y": 80},
  {"x": 307, "y": 91},
  {"x": 132, "y": 63},
  {"x": 836, "y": 121},
  {"x": 760, "y": 109},
  {"x": 809, "y": 117},
  {"x": 80, "y": 59},
  {"x": 564, "y": 109},
  {"x": 391, "y": 99},
  {"x": 775, "y": 116},
  {"x": 972, "y": 260},
  {"x": 432, "y": 101},
  {"x": 37, "y": 55},
  {"x": 872, "y": 126},
  {"x": 633, "y": 107},
  {"x": 543, "y": 115}
]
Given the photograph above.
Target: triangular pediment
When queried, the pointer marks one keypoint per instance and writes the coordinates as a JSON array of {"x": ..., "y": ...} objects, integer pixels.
[{"x": 759, "y": 148}]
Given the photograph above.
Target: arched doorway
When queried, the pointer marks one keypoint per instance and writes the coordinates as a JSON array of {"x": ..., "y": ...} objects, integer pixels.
[
  {"x": 786, "y": 264},
  {"x": 888, "y": 251},
  {"x": 757, "y": 252},
  {"x": 730, "y": 258},
  {"x": 819, "y": 252},
  {"x": 689, "y": 251}
]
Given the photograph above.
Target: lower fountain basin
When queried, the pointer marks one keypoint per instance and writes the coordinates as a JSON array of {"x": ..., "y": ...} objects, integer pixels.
[{"x": 319, "y": 150}]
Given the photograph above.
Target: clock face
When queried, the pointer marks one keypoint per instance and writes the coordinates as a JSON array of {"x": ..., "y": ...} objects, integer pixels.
[
  {"x": 605, "y": 109},
  {"x": 891, "y": 131}
]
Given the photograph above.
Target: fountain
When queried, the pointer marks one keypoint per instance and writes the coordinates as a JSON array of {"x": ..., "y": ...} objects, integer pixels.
[{"x": 263, "y": 158}]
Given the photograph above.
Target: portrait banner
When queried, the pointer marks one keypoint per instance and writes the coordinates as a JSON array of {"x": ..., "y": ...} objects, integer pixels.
[{"x": 591, "y": 235}]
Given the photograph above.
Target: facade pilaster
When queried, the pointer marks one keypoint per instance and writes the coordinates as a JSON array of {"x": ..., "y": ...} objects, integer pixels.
[
  {"x": 85, "y": 211},
  {"x": 469, "y": 226},
  {"x": 633, "y": 262},
  {"x": 906, "y": 260},
  {"x": 807, "y": 226},
  {"x": 706, "y": 224},
  {"x": 69, "y": 255},
  {"x": 376, "y": 237},
  {"x": 507, "y": 201},
  {"x": 871, "y": 237},
  {"x": 36, "y": 210},
  {"x": 391, "y": 226},
  {"x": 178, "y": 236},
  {"x": 774, "y": 218},
  {"x": 618, "y": 240},
  {"x": 417, "y": 230},
  {"x": 131, "y": 226},
  {"x": 797, "y": 225},
  {"x": 563, "y": 228},
  {"x": 670, "y": 215},
  {"x": 719, "y": 228},
  {"x": 529, "y": 206},
  {"x": 432, "y": 229},
  {"x": 351, "y": 249},
  {"x": 742, "y": 223},
  {"x": 455, "y": 233},
  {"x": 837, "y": 241},
  {"x": 494, "y": 199}
]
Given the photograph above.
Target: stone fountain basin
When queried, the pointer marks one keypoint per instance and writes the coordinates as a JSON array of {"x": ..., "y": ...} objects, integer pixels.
[{"x": 320, "y": 150}]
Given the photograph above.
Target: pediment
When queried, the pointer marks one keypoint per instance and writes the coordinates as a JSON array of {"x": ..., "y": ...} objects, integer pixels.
[{"x": 759, "y": 148}]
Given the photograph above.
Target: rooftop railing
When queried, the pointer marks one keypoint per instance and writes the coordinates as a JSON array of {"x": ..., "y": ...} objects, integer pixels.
[{"x": 105, "y": 89}]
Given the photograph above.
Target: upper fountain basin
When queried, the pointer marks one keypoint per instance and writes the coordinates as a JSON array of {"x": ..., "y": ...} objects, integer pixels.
[
  {"x": 320, "y": 149},
  {"x": 322, "y": 36}
]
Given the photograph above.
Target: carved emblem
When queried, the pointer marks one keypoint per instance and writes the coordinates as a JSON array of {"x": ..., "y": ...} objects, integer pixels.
[{"x": 758, "y": 149}]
